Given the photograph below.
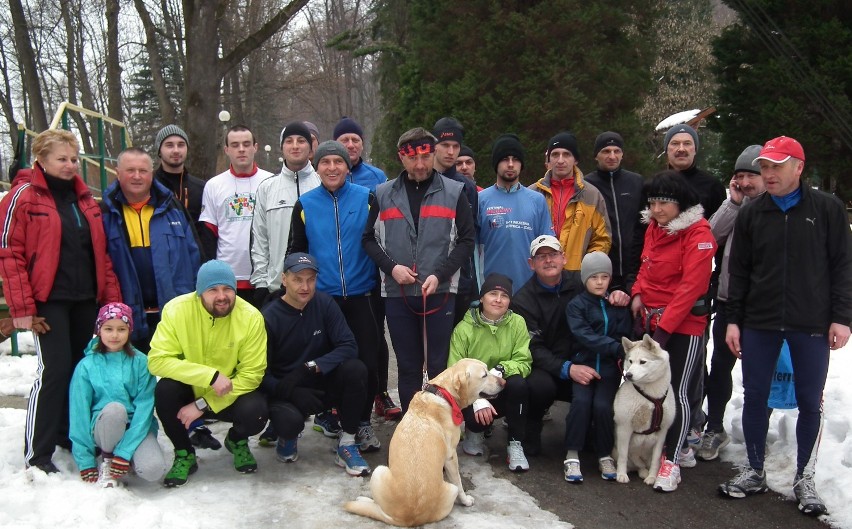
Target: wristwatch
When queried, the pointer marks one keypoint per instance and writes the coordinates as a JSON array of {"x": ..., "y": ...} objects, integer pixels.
[
  {"x": 201, "y": 404},
  {"x": 312, "y": 366}
]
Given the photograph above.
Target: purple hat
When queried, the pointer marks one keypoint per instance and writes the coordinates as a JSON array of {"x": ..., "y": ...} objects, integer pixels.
[{"x": 114, "y": 311}]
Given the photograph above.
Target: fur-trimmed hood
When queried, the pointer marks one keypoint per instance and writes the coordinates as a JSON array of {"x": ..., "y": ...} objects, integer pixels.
[{"x": 681, "y": 222}]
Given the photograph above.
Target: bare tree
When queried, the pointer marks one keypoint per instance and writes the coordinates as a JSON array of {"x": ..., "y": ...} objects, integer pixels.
[{"x": 26, "y": 58}]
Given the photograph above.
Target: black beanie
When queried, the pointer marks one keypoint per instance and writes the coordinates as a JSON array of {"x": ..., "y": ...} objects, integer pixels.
[
  {"x": 296, "y": 128},
  {"x": 448, "y": 129},
  {"x": 608, "y": 139},
  {"x": 507, "y": 145},
  {"x": 564, "y": 140},
  {"x": 496, "y": 282},
  {"x": 466, "y": 151}
]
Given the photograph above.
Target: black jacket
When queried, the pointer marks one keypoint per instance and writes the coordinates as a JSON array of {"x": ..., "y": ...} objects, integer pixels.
[
  {"x": 622, "y": 192},
  {"x": 187, "y": 190},
  {"x": 793, "y": 270},
  {"x": 544, "y": 312}
]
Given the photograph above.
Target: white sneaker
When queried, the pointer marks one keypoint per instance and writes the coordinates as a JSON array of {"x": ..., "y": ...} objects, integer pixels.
[
  {"x": 687, "y": 458},
  {"x": 515, "y": 457},
  {"x": 607, "y": 468},
  {"x": 571, "y": 468},
  {"x": 367, "y": 440},
  {"x": 668, "y": 477},
  {"x": 473, "y": 443},
  {"x": 105, "y": 478}
]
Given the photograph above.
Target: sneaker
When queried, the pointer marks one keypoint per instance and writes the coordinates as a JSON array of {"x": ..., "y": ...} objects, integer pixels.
[
  {"x": 687, "y": 458},
  {"x": 367, "y": 440},
  {"x": 547, "y": 416},
  {"x": 287, "y": 450},
  {"x": 349, "y": 457},
  {"x": 607, "y": 468},
  {"x": 473, "y": 443},
  {"x": 183, "y": 465},
  {"x": 668, "y": 477},
  {"x": 386, "y": 407},
  {"x": 268, "y": 437},
  {"x": 515, "y": 457},
  {"x": 47, "y": 467},
  {"x": 572, "y": 471},
  {"x": 711, "y": 443},
  {"x": 748, "y": 481},
  {"x": 326, "y": 423},
  {"x": 105, "y": 479},
  {"x": 202, "y": 437},
  {"x": 243, "y": 460},
  {"x": 693, "y": 438},
  {"x": 809, "y": 501}
]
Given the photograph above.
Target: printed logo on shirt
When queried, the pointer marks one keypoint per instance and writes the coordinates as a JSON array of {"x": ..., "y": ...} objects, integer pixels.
[
  {"x": 705, "y": 246},
  {"x": 317, "y": 332},
  {"x": 812, "y": 221},
  {"x": 241, "y": 207}
]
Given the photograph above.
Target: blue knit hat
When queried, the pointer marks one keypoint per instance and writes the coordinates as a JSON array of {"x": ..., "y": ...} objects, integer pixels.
[
  {"x": 214, "y": 273},
  {"x": 347, "y": 125}
]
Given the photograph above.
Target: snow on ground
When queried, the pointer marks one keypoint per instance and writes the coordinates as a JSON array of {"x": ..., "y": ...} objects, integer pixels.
[{"x": 309, "y": 493}]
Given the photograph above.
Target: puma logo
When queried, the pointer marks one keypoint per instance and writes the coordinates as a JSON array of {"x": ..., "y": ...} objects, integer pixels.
[{"x": 812, "y": 221}]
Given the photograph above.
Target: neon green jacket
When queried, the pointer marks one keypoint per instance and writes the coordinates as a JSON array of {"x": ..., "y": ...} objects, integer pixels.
[
  {"x": 507, "y": 343},
  {"x": 190, "y": 345}
]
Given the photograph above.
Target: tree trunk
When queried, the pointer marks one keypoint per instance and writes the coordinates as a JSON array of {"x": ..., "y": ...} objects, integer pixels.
[
  {"x": 29, "y": 72},
  {"x": 167, "y": 109},
  {"x": 113, "y": 74},
  {"x": 71, "y": 73}
]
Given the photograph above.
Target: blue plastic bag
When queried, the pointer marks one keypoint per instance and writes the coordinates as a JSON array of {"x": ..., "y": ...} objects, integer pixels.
[{"x": 782, "y": 393}]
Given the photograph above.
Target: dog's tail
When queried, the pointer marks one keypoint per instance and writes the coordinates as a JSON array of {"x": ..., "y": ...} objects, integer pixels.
[{"x": 364, "y": 506}]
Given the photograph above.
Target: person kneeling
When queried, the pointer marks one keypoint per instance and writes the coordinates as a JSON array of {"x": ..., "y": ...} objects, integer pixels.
[
  {"x": 312, "y": 364},
  {"x": 494, "y": 334}
]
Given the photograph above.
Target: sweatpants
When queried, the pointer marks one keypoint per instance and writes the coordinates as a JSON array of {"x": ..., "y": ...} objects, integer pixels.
[
  {"x": 512, "y": 403},
  {"x": 685, "y": 355},
  {"x": 405, "y": 324},
  {"x": 345, "y": 388},
  {"x": 58, "y": 351},
  {"x": 593, "y": 402},
  {"x": 544, "y": 390},
  {"x": 809, "y": 354},
  {"x": 361, "y": 318},
  {"x": 718, "y": 383},
  {"x": 247, "y": 413},
  {"x": 383, "y": 358},
  {"x": 111, "y": 425}
]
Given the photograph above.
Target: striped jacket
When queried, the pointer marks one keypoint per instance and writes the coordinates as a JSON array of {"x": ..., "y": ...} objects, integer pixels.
[{"x": 31, "y": 238}]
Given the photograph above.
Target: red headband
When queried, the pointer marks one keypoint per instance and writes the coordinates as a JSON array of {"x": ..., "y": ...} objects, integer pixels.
[{"x": 413, "y": 148}]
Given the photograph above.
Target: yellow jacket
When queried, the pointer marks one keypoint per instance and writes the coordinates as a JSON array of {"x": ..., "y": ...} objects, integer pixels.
[
  {"x": 586, "y": 227},
  {"x": 190, "y": 346}
]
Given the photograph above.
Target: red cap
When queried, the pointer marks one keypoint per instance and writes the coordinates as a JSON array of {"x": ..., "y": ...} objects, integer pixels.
[{"x": 781, "y": 149}]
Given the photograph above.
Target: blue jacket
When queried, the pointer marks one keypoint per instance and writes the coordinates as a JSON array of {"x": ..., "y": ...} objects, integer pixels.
[
  {"x": 597, "y": 328},
  {"x": 333, "y": 224},
  {"x": 367, "y": 175},
  {"x": 102, "y": 378},
  {"x": 174, "y": 251}
]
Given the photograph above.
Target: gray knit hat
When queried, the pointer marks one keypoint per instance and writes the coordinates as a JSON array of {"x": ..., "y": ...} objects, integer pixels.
[
  {"x": 677, "y": 129},
  {"x": 745, "y": 162},
  {"x": 594, "y": 263},
  {"x": 332, "y": 147},
  {"x": 165, "y": 132}
]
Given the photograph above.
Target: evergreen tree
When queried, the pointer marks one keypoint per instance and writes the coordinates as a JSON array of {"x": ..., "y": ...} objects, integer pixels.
[
  {"x": 785, "y": 68},
  {"x": 533, "y": 68}
]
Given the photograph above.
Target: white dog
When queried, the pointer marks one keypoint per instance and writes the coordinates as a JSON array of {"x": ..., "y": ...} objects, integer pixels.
[
  {"x": 644, "y": 409},
  {"x": 411, "y": 490}
]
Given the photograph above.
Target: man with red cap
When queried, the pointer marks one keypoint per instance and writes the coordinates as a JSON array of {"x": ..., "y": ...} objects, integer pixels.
[{"x": 790, "y": 278}]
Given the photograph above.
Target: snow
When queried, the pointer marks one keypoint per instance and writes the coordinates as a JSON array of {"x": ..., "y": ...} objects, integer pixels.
[
  {"x": 310, "y": 492},
  {"x": 677, "y": 119}
]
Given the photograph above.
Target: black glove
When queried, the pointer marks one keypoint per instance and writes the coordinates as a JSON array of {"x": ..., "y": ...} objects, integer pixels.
[
  {"x": 288, "y": 382},
  {"x": 308, "y": 400}
]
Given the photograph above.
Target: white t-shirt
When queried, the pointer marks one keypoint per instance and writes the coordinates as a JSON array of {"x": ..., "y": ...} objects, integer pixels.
[{"x": 228, "y": 203}]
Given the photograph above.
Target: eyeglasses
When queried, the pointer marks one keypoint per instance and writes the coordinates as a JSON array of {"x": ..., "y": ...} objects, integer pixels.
[{"x": 546, "y": 256}]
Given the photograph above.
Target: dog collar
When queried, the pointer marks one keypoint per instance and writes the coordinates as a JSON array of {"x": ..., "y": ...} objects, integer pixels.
[
  {"x": 443, "y": 393},
  {"x": 657, "y": 415}
]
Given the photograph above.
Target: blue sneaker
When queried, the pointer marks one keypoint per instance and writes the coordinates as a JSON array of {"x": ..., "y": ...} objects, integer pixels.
[
  {"x": 327, "y": 424},
  {"x": 349, "y": 457},
  {"x": 287, "y": 450}
]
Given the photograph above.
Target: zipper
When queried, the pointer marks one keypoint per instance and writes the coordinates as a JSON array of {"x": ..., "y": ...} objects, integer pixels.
[{"x": 339, "y": 246}]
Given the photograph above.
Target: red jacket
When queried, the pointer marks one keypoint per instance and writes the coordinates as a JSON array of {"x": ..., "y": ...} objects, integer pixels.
[
  {"x": 30, "y": 241},
  {"x": 677, "y": 260}
]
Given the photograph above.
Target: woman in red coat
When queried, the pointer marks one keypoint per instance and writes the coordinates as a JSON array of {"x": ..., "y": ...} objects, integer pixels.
[
  {"x": 673, "y": 276},
  {"x": 54, "y": 264}
]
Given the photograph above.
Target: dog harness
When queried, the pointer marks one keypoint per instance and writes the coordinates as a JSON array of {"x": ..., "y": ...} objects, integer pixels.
[
  {"x": 657, "y": 416},
  {"x": 457, "y": 414}
]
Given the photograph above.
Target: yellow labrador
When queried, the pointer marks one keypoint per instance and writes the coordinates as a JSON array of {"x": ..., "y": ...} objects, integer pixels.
[{"x": 411, "y": 490}]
